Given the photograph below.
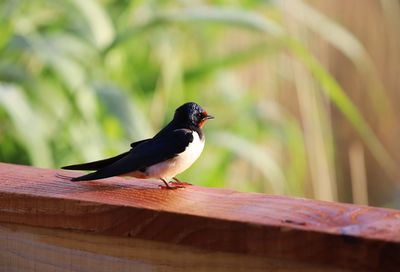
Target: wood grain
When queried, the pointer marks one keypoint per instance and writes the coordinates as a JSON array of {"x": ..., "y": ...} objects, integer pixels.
[
  {"x": 38, "y": 249},
  {"x": 216, "y": 220}
]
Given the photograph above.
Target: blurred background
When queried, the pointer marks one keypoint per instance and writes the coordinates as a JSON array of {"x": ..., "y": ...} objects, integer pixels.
[{"x": 305, "y": 93}]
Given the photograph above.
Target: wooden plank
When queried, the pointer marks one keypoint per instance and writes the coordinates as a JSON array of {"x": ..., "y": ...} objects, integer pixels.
[
  {"x": 37, "y": 249},
  {"x": 251, "y": 224}
]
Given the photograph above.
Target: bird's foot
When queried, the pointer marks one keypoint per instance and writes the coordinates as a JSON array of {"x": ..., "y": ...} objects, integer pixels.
[
  {"x": 164, "y": 187},
  {"x": 177, "y": 182},
  {"x": 169, "y": 187}
]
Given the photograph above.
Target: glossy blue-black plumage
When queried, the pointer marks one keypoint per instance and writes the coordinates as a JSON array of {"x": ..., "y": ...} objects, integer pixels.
[
  {"x": 96, "y": 165},
  {"x": 153, "y": 151},
  {"x": 168, "y": 143}
]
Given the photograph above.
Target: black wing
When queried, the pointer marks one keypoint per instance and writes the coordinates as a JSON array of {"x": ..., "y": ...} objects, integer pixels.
[
  {"x": 150, "y": 152},
  {"x": 96, "y": 165},
  {"x": 138, "y": 143}
]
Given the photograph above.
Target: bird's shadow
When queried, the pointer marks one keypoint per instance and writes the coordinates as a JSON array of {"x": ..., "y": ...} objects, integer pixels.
[
  {"x": 128, "y": 183},
  {"x": 108, "y": 184},
  {"x": 60, "y": 185},
  {"x": 116, "y": 189}
]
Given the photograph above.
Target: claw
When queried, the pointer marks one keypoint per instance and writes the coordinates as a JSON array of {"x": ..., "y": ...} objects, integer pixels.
[
  {"x": 170, "y": 187},
  {"x": 177, "y": 182}
]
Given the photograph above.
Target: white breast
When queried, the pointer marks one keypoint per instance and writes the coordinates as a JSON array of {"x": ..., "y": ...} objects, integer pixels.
[{"x": 170, "y": 168}]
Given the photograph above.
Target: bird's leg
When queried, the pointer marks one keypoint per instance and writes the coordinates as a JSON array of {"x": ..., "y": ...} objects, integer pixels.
[
  {"x": 167, "y": 186},
  {"x": 178, "y": 182}
]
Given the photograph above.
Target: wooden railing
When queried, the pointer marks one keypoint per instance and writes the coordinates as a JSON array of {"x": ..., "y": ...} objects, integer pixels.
[{"x": 120, "y": 224}]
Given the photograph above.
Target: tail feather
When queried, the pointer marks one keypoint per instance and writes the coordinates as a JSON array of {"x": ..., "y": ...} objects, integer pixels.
[
  {"x": 96, "y": 165},
  {"x": 90, "y": 176},
  {"x": 99, "y": 174},
  {"x": 80, "y": 178}
]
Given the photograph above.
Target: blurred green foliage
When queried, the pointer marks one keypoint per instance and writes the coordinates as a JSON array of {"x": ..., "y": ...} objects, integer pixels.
[{"x": 80, "y": 80}]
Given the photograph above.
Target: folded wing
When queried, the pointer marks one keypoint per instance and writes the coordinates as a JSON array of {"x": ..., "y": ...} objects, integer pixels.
[
  {"x": 96, "y": 165},
  {"x": 150, "y": 152}
]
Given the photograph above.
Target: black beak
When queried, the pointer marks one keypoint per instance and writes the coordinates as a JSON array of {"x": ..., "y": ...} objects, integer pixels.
[{"x": 208, "y": 117}]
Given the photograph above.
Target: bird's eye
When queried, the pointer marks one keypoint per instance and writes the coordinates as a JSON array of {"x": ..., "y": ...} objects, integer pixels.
[{"x": 200, "y": 115}]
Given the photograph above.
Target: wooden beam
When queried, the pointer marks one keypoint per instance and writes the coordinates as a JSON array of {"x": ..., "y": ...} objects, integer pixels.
[
  {"x": 39, "y": 249},
  {"x": 215, "y": 221}
]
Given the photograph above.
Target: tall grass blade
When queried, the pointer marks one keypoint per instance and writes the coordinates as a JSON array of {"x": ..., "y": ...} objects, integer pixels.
[{"x": 344, "y": 104}]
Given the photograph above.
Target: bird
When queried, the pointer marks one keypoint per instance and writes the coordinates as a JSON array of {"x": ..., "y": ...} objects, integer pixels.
[{"x": 170, "y": 152}]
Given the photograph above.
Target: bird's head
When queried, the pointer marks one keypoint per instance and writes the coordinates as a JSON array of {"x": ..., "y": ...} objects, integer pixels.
[{"x": 192, "y": 114}]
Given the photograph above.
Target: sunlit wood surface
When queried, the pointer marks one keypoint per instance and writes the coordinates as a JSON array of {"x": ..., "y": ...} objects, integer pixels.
[{"x": 124, "y": 224}]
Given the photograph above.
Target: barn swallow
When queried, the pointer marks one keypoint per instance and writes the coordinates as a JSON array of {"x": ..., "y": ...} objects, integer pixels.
[{"x": 170, "y": 152}]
